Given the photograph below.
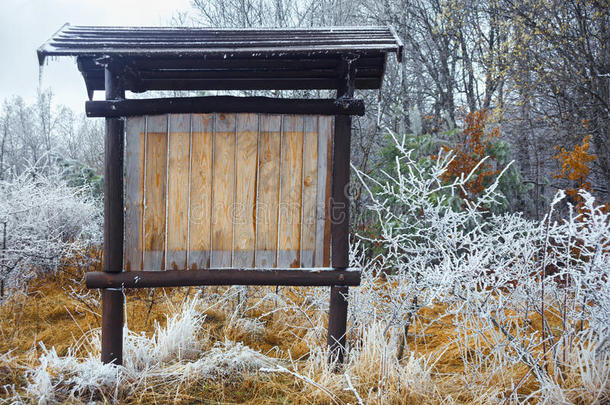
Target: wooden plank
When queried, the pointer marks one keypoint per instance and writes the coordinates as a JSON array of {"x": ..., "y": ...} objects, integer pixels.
[
  {"x": 201, "y": 191},
  {"x": 292, "y": 63},
  {"x": 290, "y": 194},
  {"x": 178, "y": 191},
  {"x": 155, "y": 183},
  {"x": 135, "y": 135},
  {"x": 223, "y": 190},
  {"x": 245, "y": 197},
  {"x": 310, "y": 189},
  {"x": 268, "y": 191},
  {"x": 322, "y": 249}
]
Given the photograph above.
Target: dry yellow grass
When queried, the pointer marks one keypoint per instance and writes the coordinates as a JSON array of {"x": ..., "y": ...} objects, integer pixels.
[{"x": 433, "y": 371}]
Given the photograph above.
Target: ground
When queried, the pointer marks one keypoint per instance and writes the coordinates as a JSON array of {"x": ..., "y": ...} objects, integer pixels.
[{"x": 57, "y": 312}]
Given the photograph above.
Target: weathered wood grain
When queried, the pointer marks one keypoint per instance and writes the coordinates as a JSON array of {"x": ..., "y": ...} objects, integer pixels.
[
  {"x": 135, "y": 134},
  {"x": 325, "y": 139},
  {"x": 228, "y": 184},
  {"x": 155, "y": 183},
  {"x": 290, "y": 194},
  {"x": 223, "y": 191},
  {"x": 201, "y": 191},
  {"x": 268, "y": 191},
  {"x": 245, "y": 198},
  {"x": 178, "y": 191},
  {"x": 309, "y": 186}
]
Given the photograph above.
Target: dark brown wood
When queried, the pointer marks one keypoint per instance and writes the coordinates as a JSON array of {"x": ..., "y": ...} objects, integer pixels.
[
  {"x": 181, "y": 278},
  {"x": 252, "y": 73},
  {"x": 143, "y": 64},
  {"x": 337, "y": 321},
  {"x": 236, "y": 84},
  {"x": 112, "y": 325},
  {"x": 337, "y": 317},
  {"x": 112, "y": 299},
  {"x": 223, "y": 104},
  {"x": 229, "y": 59},
  {"x": 341, "y": 172}
]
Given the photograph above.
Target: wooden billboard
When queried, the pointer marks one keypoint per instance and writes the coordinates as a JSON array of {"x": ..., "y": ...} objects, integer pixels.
[
  {"x": 225, "y": 190},
  {"x": 205, "y": 191}
]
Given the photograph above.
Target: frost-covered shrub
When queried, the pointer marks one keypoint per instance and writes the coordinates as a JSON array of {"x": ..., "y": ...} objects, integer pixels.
[
  {"x": 518, "y": 291},
  {"x": 43, "y": 220}
]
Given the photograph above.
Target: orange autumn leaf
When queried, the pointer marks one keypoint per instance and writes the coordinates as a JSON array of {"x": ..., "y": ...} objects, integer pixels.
[
  {"x": 470, "y": 152},
  {"x": 575, "y": 166}
]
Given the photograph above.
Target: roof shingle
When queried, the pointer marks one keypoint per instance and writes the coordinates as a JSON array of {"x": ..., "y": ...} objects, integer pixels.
[{"x": 165, "y": 58}]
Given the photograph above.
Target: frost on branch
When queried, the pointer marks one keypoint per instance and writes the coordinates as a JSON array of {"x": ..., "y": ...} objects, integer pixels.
[
  {"x": 523, "y": 291},
  {"x": 44, "y": 221}
]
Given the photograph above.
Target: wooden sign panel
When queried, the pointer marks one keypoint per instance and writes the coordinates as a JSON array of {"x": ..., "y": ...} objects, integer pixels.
[{"x": 227, "y": 191}]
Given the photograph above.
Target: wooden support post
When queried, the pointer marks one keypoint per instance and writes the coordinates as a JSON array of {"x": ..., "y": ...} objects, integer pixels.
[
  {"x": 337, "y": 319},
  {"x": 112, "y": 298},
  {"x": 337, "y": 323}
]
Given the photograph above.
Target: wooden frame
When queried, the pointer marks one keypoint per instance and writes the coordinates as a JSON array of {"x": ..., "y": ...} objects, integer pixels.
[
  {"x": 138, "y": 59},
  {"x": 113, "y": 279}
]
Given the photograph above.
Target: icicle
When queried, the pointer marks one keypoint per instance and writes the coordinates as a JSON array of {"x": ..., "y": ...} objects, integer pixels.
[{"x": 40, "y": 74}]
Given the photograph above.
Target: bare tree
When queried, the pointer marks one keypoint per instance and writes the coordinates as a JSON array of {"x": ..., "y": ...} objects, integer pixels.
[{"x": 561, "y": 50}]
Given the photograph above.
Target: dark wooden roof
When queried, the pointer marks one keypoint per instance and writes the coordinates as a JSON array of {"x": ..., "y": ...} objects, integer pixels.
[{"x": 161, "y": 58}]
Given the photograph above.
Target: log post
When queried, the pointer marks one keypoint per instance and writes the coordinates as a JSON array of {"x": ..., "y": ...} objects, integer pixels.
[
  {"x": 337, "y": 317},
  {"x": 112, "y": 298}
]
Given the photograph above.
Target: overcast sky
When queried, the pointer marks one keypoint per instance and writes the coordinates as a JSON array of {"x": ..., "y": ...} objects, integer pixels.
[{"x": 26, "y": 24}]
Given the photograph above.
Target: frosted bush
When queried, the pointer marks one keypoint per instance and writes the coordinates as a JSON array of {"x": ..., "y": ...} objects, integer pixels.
[
  {"x": 491, "y": 272},
  {"x": 46, "y": 221},
  {"x": 512, "y": 292}
]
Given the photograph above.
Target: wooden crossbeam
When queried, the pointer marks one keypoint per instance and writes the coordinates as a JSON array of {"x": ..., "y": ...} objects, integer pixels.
[
  {"x": 223, "y": 104},
  {"x": 229, "y": 276}
]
